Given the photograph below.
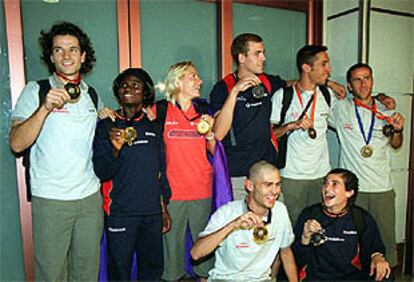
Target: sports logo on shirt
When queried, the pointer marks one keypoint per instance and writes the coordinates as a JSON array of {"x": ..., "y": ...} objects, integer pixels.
[{"x": 183, "y": 134}]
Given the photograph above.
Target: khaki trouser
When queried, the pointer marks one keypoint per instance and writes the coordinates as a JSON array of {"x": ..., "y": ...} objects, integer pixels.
[{"x": 67, "y": 238}]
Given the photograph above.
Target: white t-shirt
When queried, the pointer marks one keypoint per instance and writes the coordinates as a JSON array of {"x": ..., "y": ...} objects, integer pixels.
[
  {"x": 374, "y": 173},
  {"x": 238, "y": 257},
  {"x": 61, "y": 158},
  {"x": 306, "y": 158}
]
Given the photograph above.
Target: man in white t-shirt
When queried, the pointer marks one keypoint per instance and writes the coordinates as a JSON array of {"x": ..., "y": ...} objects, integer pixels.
[
  {"x": 59, "y": 127},
  {"x": 247, "y": 235},
  {"x": 307, "y": 158},
  {"x": 362, "y": 125}
]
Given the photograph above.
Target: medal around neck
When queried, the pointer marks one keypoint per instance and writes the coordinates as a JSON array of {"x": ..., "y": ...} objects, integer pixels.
[
  {"x": 260, "y": 235},
  {"x": 129, "y": 135},
  {"x": 367, "y": 151},
  {"x": 73, "y": 90},
  {"x": 388, "y": 130},
  {"x": 312, "y": 133},
  {"x": 259, "y": 92},
  {"x": 203, "y": 127}
]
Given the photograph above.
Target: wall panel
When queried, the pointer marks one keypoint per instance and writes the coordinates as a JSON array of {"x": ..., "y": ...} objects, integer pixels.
[
  {"x": 11, "y": 254},
  {"x": 283, "y": 32},
  {"x": 177, "y": 31}
]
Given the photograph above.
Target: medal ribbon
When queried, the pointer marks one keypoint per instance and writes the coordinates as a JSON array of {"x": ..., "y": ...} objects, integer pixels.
[
  {"x": 360, "y": 125},
  {"x": 298, "y": 92},
  {"x": 75, "y": 81},
  {"x": 373, "y": 109},
  {"x": 269, "y": 214},
  {"x": 128, "y": 122}
]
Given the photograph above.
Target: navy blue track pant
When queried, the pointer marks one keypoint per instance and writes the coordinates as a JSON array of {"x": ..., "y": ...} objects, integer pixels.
[{"x": 135, "y": 233}]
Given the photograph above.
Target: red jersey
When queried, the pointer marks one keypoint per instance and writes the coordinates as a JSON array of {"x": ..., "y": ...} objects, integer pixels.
[{"x": 189, "y": 172}]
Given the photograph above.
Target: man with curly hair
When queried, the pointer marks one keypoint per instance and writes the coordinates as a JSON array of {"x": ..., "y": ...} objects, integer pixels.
[{"x": 59, "y": 127}]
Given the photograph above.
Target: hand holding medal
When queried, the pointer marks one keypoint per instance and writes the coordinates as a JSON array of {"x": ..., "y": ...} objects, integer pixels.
[
  {"x": 71, "y": 86},
  {"x": 73, "y": 90},
  {"x": 129, "y": 135},
  {"x": 313, "y": 233},
  {"x": 251, "y": 220},
  {"x": 203, "y": 126},
  {"x": 119, "y": 137},
  {"x": 259, "y": 92},
  {"x": 397, "y": 122}
]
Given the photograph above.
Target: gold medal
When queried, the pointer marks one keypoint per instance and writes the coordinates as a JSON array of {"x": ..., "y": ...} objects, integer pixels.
[
  {"x": 203, "y": 127},
  {"x": 312, "y": 133},
  {"x": 366, "y": 151},
  {"x": 260, "y": 235},
  {"x": 129, "y": 135}
]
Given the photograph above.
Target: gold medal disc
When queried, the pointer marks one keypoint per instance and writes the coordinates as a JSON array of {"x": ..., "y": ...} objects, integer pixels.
[
  {"x": 260, "y": 235},
  {"x": 366, "y": 151},
  {"x": 129, "y": 135},
  {"x": 203, "y": 127}
]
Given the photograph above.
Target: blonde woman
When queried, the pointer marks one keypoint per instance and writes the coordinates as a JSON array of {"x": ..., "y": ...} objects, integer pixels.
[{"x": 189, "y": 171}]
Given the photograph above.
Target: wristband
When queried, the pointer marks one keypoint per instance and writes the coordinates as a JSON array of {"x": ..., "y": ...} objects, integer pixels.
[
  {"x": 377, "y": 254},
  {"x": 210, "y": 136}
]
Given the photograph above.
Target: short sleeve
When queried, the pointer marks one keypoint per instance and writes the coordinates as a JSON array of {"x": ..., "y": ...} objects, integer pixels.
[
  {"x": 27, "y": 102},
  {"x": 100, "y": 103},
  {"x": 218, "y": 96},
  {"x": 276, "y": 106},
  {"x": 287, "y": 235},
  {"x": 334, "y": 108},
  {"x": 219, "y": 219}
]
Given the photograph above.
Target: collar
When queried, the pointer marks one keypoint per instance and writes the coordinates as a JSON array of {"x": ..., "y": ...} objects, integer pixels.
[{"x": 137, "y": 117}]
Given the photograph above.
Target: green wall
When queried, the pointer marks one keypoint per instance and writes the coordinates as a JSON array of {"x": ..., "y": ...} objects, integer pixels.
[
  {"x": 174, "y": 31},
  {"x": 283, "y": 32},
  {"x": 11, "y": 256}
]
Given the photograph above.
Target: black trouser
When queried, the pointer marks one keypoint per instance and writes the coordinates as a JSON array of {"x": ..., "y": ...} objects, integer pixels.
[{"x": 136, "y": 233}]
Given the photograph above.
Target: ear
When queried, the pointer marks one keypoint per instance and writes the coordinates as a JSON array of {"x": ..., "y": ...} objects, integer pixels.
[
  {"x": 83, "y": 57},
  {"x": 249, "y": 185},
  {"x": 349, "y": 86},
  {"x": 241, "y": 57},
  {"x": 51, "y": 59},
  {"x": 177, "y": 84},
  {"x": 349, "y": 194},
  {"x": 306, "y": 68}
]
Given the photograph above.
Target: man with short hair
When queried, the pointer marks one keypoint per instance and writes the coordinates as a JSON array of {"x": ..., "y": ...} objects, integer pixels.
[
  {"x": 305, "y": 122},
  {"x": 367, "y": 132},
  {"x": 336, "y": 240},
  {"x": 242, "y": 116},
  {"x": 59, "y": 128},
  {"x": 247, "y": 235}
]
